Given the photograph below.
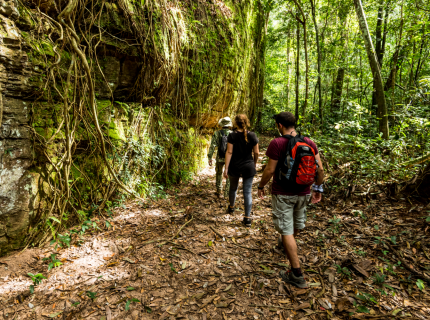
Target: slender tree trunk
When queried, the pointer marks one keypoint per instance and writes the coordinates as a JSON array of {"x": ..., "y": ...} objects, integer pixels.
[
  {"x": 384, "y": 36},
  {"x": 378, "y": 33},
  {"x": 423, "y": 41},
  {"x": 305, "y": 42},
  {"x": 287, "y": 89},
  {"x": 319, "y": 62},
  {"x": 338, "y": 87},
  {"x": 379, "y": 43},
  {"x": 297, "y": 71},
  {"x": 411, "y": 71},
  {"x": 374, "y": 65}
]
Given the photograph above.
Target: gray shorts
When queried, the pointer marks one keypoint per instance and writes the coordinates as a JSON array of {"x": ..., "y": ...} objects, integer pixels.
[{"x": 289, "y": 213}]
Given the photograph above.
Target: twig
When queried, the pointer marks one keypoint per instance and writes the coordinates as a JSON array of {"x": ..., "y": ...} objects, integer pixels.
[
  {"x": 219, "y": 234},
  {"x": 424, "y": 250},
  {"x": 407, "y": 266},
  {"x": 321, "y": 293},
  {"x": 180, "y": 229}
]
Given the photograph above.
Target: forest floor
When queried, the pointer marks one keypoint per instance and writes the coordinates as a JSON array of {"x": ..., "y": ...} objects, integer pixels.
[{"x": 184, "y": 257}]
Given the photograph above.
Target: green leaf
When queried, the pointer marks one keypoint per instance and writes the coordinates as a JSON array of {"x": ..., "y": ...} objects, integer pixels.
[
  {"x": 363, "y": 309},
  {"x": 130, "y": 289},
  {"x": 91, "y": 295},
  {"x": 55, "y": 219},
  {"x": 210, "y": 244},
  {"x": 172, "y": 268},
  {"x": 55, "y": 314},
  {"x": 127, "y": 305},
  {"x": 376, "y": 227},
  {"x": 420, "y": 284},
  {"x": 396, "y": 312},
  {"x": 31, "y": 289}
]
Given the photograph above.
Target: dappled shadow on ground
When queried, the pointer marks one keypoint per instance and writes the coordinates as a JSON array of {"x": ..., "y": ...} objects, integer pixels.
[{"x": 183, "y": 257}]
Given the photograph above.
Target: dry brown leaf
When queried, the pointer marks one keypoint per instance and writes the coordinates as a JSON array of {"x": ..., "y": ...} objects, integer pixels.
[
  {"x": 343, "y": 304},
  {"x": 302, "y": 306}
]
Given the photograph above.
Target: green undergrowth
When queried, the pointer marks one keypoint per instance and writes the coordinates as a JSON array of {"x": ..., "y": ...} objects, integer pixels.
[{"x": 356, "y": 157}]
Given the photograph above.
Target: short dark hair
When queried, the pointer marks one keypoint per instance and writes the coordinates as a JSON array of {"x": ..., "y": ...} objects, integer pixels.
[{"x": 287, "y": 119}]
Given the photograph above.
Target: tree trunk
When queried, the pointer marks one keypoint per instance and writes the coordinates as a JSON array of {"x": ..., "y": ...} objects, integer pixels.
[
  {"x": 378, "y": 33},
  {"x": 287, "y": 88},
  {"x": 319, "y": 62},
  {"x": 423, "y": 41},
  {"x": 297, "y": 71},
  {"x": 374, "y": 65},
  {"x": 338, "y": 87},
  {"x": 379, "y": 42},
  {"x": 305, "y": 42}
]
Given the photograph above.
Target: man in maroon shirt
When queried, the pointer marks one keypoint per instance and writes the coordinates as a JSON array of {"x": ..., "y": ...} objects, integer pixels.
[{"x": 289, "y": 204}]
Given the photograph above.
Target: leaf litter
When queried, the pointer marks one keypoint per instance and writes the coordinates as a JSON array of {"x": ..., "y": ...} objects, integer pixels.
[{"x": 184, "y": 257}]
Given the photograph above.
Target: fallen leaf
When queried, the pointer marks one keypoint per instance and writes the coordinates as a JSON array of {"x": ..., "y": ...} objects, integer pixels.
[
  {"x": 302, "y": 306},
  {"x": 284, "y": 301},
  {"x": 343, "y": 304}
]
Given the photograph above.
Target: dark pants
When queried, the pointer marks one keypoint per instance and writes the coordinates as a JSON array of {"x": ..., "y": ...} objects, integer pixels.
[{"x": 247, "y": 192}]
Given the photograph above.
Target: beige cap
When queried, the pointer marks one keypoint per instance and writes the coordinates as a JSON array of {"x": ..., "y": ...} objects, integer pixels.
[{"x": 225, "y": 122}]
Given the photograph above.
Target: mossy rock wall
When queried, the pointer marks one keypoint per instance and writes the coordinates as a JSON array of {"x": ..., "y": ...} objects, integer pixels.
[{"x": 164, "y": 73}]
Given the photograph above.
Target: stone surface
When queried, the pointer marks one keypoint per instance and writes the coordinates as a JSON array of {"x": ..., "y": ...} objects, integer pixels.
[{"x": 125, "y": 73}]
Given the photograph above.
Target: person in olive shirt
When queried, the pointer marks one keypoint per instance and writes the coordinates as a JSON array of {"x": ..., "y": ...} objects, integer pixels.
[
  {"x": 226, "y": 124},
  {"x": 240, "y": 163}
]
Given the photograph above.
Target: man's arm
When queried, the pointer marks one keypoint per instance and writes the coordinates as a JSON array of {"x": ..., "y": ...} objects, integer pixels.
[
  {"x": 267, "y": 175},
  {"x": 320, "y": 170},
  {"x": 214, "y": 144}
]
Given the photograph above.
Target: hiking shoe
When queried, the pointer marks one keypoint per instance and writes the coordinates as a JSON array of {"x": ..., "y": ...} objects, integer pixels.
[
  {"x": 247, "y": 222},
  {"x": 230, "y": 210},
  {"x": 289, "y": 277}
]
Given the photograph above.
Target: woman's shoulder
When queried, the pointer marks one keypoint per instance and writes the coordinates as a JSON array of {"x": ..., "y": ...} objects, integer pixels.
[{"x": 252, "y": 135}]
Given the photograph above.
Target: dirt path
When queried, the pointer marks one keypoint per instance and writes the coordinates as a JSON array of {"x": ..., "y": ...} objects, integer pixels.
[{"x": 183, "y": 257}]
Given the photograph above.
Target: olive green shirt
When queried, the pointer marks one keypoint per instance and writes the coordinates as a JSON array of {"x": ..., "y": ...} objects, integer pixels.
[{"x": 216, "y": 139}]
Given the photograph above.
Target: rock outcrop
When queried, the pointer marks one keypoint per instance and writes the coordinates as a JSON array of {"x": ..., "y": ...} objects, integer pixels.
[{"x": 160, "y": 65}]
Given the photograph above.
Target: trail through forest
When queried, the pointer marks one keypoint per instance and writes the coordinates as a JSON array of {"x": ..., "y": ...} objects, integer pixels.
[{"x": 184, "y": 257}]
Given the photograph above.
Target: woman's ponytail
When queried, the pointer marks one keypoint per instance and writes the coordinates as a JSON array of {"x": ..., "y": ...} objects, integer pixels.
[{"x": 242, "y": 122}]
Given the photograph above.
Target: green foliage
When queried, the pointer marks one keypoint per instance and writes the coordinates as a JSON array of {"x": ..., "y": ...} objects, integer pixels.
[
  {"x": 53, "y": 261},
  {"x": 37, "y": 279},
  {"x": 129, "y": 302},
  {"x": 344, "y": 271},
  {"x": 379, "y": 278},
  {"x": 335, "y": 224},
  {"x": 420, "y": 284},
  {"x": 348, "y": 135},
  {"x": 61, "y": 241},
  {"x": 91, "y": 295}
]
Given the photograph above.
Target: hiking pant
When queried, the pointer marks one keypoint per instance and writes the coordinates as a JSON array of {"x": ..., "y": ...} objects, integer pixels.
[
  {"x": 219, "y": 171},
  {"x": 247, "y": 192}
]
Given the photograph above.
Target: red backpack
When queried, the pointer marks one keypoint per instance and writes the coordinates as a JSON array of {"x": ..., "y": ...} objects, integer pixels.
[{"x": 297, "y": 169}]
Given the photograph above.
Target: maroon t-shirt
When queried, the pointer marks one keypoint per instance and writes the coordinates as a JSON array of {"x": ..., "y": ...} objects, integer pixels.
[{"x": 276, "y": 149}]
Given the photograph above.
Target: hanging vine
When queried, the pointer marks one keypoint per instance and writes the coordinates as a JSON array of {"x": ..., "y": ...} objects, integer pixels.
[{"x": 187, "y": 63}]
